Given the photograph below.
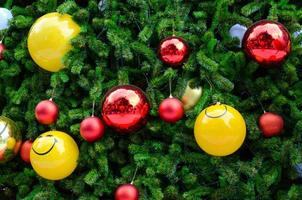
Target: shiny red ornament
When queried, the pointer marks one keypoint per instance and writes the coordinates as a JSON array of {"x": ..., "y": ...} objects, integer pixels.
[
  {"x": 173, "y": 51},
  {"x": 171, "y": 110},
  {"x": 2, "y": 49},
  {"x": 271, "y": 124},
  {"x": 125, "y": 108},
  {"x": 267, "y": 42},
  {"x": 92, "y": 129},
  {"x": 25, "y": 150},
  {"x": 47, "y": 112},
  {"x": 126, "y": 192}
]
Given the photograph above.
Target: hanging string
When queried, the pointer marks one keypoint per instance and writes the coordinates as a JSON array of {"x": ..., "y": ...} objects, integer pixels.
[
  {"x": 52, "y": 94},
  {"x": 132, "y": 181},
  {"x": 253, "y": 96},
  {"x": 93, "y": 105},
  {"x": 170, "y": 88}
]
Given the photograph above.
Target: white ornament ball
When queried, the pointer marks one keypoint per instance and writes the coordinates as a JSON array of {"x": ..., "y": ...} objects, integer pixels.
[
  {"x": 5, "y": 16},
  {"x": 238, "y": 31}
]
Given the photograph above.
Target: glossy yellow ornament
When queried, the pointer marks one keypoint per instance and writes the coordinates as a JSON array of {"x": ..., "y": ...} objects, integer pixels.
[
  {"x": 191, "y": 96},
  {"x": 220, "y": 130},
  {"x": 10, "y": 139},
  {"x": 54, "y": 155},
  {"x": 49, "y": 40}
]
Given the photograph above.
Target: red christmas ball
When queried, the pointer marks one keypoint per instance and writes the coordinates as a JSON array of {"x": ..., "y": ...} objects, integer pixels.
[
  {"x": 2, "y": 49},
  {"x": 25, "y": 150},
  {"x": 127, "y": 192},
  {"x": 173, "y": 51},
  {"x": 271, "y": 124},
  {"x": 125, "y": 108},
  {"x": 92, "y": 129},
  {"x": 47, "y": 112},
  {"x": 267, "y": 42},
  {"x": 171, "y": 110}
]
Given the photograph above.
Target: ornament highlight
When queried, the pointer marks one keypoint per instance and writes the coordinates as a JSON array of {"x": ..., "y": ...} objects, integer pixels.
[
  {"x": 10, "y": 139},
  {"x": 173, "y": 51},
  {"x": 237, "y": 31},
  {"x": 92, "y": 129},
  {"x": 298, "y": 168},
  {"x": 125, "y": 108},
  {"x": 102, "y": 5},
  {"x": 191, "y": 96},
  {"x": 126, "y": 192},
  {"x": 171, "y": 110},
  {"x": 5, "y": 17},
  {"x": 2, "y": 49},
  {"x": 49, "y": 40},
  {"x": 267, "y": 42},
  {"x": 47, "y": 112},
  {"x": 25, "y": 151},
  {"x": 219, "y": 130},
  {"x": 271, "y": 124},
  {"x": 54, "y": 155}
]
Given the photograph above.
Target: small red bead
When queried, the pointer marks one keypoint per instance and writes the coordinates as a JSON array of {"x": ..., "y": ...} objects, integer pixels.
[
  {"x": 271, "y": 124},
  {"x": 171, "y": 110},
  {"x": 92, "y": 129},
  {"x": 25, "y": 151},
  {"x": 127, "y": 192},
  {"x": 267, "y": 42},
  {"x": 47, "y": 112},
  {"x": 173, "y": 51},
  {"x": 2, "y": 49}
]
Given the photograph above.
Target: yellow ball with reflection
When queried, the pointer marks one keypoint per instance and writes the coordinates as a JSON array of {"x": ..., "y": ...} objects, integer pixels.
[
  {"x": 54, "y": 155},
  {"x": 49, "y": 40},
  {"x": 220, "y": 130}
]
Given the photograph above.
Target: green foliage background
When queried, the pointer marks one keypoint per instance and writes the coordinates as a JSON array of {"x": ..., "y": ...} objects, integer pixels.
[{"x": 118, "y": 46}]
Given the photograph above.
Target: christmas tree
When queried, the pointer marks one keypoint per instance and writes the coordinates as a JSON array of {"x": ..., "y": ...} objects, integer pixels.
[{"x": 118, "y": 44}]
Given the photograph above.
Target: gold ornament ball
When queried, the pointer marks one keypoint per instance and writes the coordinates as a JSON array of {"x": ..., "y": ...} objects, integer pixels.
[
  {"x": 191, "y": 96},
  {"x": 220, "y": 130},
  {"x": 10, "y": 139}
]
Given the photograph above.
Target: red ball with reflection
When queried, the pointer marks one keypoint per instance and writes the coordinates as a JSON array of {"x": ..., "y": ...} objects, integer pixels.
[
  {"x": 47, "y": 112},
  {"x": 126, "y": 192},
  {"x": 267, "y": 42},
  {"x": 271, "y": 124},
  {"x": 171, "y": 110},
  {"x": 125, "y": 108},
  {"x": 2, "y": 49},
  {"x": 173, "y": 51},
  {"x": 92, "y": 129}
]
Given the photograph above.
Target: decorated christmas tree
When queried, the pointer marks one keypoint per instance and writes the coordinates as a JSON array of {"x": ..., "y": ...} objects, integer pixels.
[{"x": 150, "y": 99}]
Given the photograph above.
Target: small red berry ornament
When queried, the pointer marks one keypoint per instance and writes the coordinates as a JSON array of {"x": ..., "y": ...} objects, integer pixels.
[
  {"x": 173, "y": 51},
  {"x": 171, "y": 110},
  {"x": 126, "y": 192},
  {"x": 92, "y": 129},
  {"x": 125, "y": 108},
  {"x": 47, "y": 112},
  {"x": 267, "y": 42},
  {"x": 25, "y": 151},
  {"x": 2, "y": 49},
  {"x": 271, "y": 124}
]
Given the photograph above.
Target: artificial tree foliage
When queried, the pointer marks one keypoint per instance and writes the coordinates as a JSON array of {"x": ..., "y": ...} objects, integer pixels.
[{"x": 119, "y": 46}]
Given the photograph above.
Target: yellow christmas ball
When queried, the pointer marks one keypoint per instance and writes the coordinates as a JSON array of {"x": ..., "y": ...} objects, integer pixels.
[
  {"x": 220, "y": 130},
  {"x": 54, "y": 155},
  {"x": 49, "y": 40}
]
